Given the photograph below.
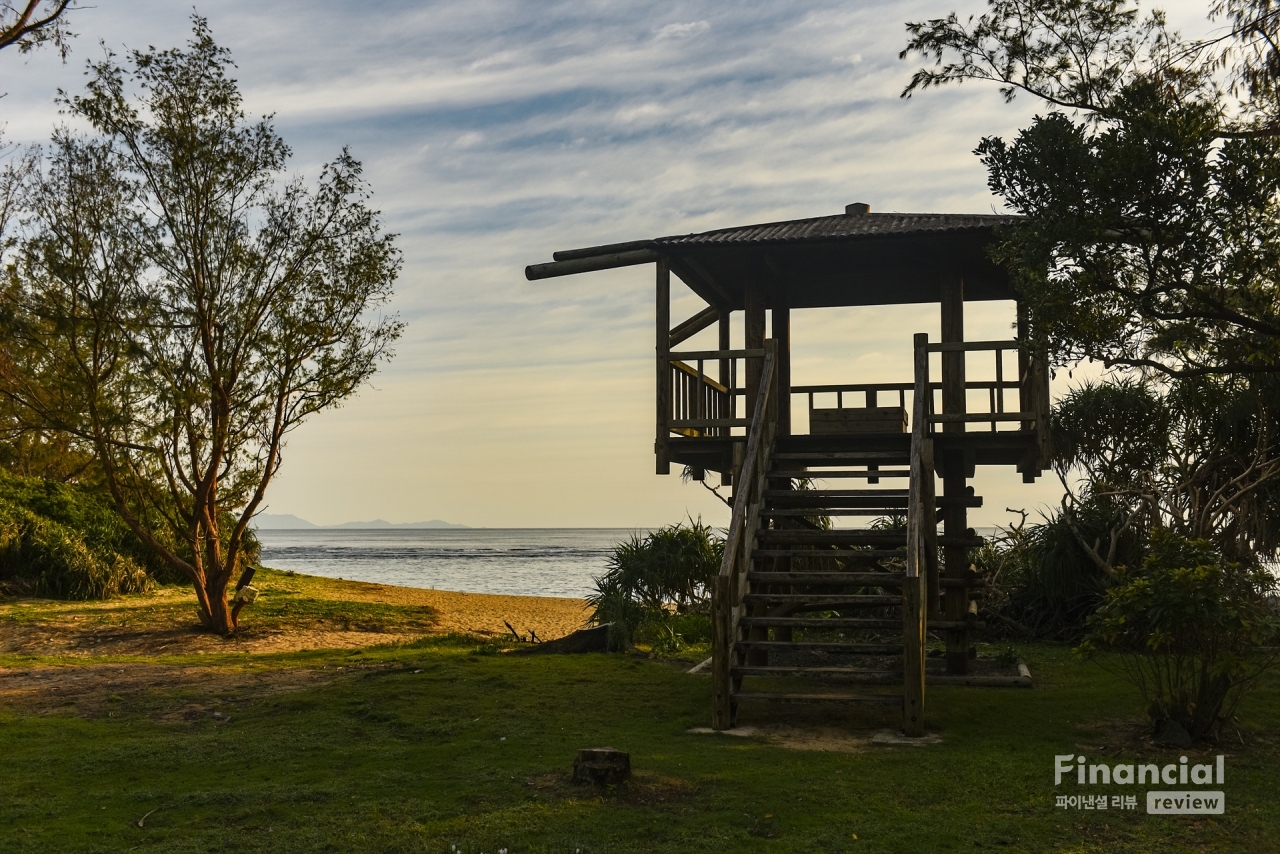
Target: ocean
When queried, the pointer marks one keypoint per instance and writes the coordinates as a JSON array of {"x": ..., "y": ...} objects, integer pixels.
[{"x": 511, "y": 561}]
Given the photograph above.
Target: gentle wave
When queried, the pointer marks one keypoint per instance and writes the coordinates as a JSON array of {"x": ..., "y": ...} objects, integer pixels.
[{"x": 510, "y": 561}]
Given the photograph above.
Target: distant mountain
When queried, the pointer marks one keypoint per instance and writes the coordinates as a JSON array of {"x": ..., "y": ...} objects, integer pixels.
[
  {"x": 289, "y": 522},
  {"x": 280, "y": 521},
  {"x": 383, "y": 523}
]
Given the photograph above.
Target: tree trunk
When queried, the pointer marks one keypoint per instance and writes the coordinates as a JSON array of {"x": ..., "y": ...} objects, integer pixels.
[{"x": 220, "y": 617}]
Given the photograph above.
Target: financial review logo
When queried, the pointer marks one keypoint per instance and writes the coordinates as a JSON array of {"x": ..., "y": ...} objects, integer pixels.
[{"x": 1077, "y": 770}]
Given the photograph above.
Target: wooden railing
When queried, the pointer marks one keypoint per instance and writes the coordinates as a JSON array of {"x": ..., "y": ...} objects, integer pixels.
[
  {"x": 1032, "y": 386},
  {"x": 730, "y": 585},
  {"x": 694, "y": 404},
  {"x": 700, "y": 406}
]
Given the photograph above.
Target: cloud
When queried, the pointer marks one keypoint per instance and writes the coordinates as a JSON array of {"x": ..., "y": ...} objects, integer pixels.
[{"x": 682, "y": 31}]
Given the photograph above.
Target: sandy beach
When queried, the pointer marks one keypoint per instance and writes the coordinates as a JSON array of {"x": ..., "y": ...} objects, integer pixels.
[{"x": 294, "y": 612}]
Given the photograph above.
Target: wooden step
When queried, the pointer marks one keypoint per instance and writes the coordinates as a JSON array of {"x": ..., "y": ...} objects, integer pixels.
[
  {"x": 887, "y": 494},
  {"x": 833, "y": 600},
  {"x": 861, "y": 579},
  {"x": 866, "y": 579},
  {"x": 771, "y": 697},
  {"x": 851, "y": 623},
  {"x": 845, "y": 537},
  {"x": 971, "y": 542},
  {"x": 843, "y": 554},
  {"x": 842, "y": 647},
  {"x": 850, "y": 458},
  {"x": 824, "y": 623},
  {"x": 818, "y": 475},
  {"x": 805, "y": 512},
  {"x": 856, "y": 674}
]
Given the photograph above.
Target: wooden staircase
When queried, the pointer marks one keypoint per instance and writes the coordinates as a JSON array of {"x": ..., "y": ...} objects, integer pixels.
[
  {"x": 826, "y": 603},
  {"x": 831, "y": 570}
]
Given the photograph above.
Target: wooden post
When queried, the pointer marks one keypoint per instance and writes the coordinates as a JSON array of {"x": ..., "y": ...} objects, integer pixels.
[
  {"x": 721, "y": 653},
  {"x": 661, "y": 443},
  {"x": 955, "y": 517},
  {"x": 754, "y": 340},
  {"x": 918, "y": 516},
  {"x": 726, "y": 380},
  {"x": 782, "y": 334}
]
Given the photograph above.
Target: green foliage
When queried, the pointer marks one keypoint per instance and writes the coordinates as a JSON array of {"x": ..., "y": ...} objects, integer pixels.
[
  {"x": 1113, "y": 430},
  {"x": 1147, "y": 241},
  {"x": 1151, "y": 196},
  {"x": 1191, "y": 630},
  {"x": 181, "y": 304},
  {"x": 1042, "y": 580},
  {"x": 651, "y": 576},
  {"x": 66, "y": 541},
  {"x": 1197, "y": 455}
]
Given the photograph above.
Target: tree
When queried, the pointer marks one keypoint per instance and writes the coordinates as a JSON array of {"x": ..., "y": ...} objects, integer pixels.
[
  {"x": 31, "y": 23},
  {"x": 1150, "y": 196},
  {"x": 180, "y": 310},
  {"x": 1194, "y": 457}
]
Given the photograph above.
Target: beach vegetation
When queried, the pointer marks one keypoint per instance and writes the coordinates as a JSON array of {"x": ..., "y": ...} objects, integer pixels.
[
  {"x": 1191, "y": 630},
  {"x": 178, "y": 307},
  {"x": 656, "y": 588}
]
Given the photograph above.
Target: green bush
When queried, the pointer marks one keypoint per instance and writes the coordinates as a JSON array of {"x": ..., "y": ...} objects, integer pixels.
[
  {"x": 656, "y": 589},
  {"x": 45, "y": 558},
  {"x": 65, "y": 540},
  {"x": 1042, "y": 580},
  {"x": 1190, "y": 630}
]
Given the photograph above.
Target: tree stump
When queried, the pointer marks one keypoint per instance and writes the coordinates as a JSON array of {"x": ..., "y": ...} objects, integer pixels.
[{"x": 601, "y": 766}]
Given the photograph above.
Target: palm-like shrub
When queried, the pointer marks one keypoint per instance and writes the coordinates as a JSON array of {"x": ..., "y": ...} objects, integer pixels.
[{"x": 658, "y": 584}]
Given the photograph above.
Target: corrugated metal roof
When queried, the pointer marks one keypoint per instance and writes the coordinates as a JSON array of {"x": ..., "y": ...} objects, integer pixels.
[{"x": 850, "y": 226}]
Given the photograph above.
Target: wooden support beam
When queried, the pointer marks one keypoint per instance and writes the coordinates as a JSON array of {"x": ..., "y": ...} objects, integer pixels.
[
  {"x": 661, "y": 445},
  {"x": 695, "y": 275},
  {"x": 694, "y": 325},
  {"x": 595, "y": 251},
  {"x": 590, "y": 264},
  {"x": 727, "y": 380},
  {"x": 955, "y": 520},
  {"x": 919, "y": 515},
  {"x": 782, "y": 334},
  {"x": 754, "y": 317}
]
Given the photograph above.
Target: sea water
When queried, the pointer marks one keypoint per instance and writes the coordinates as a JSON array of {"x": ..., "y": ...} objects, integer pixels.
[{"x": 511, "y": 561}]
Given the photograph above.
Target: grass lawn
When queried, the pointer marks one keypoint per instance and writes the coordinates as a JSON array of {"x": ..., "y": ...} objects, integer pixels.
[{"x": 448, "y": 741}]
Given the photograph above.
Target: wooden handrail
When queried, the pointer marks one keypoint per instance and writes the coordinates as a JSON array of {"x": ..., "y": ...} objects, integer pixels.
[
  {"x": 748, "y": 494},
  {"x": 695, "y": 355},
  {"x": 832, "y": 388},
  {"x": 740, "y": 514},
  {"x": 966, "y": 346},
  {"x": 693, "y": 372}
]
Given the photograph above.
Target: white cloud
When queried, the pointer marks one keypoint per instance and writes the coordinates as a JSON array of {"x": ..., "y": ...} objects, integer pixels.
[{"x": 682, "y": 31}]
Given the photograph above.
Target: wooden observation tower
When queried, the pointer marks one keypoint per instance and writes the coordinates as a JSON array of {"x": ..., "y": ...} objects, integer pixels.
[{"x": 847, "y": 605}]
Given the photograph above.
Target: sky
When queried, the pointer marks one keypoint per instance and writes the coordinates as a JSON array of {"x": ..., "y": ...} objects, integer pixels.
[{"x": 494, "y": 133}]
